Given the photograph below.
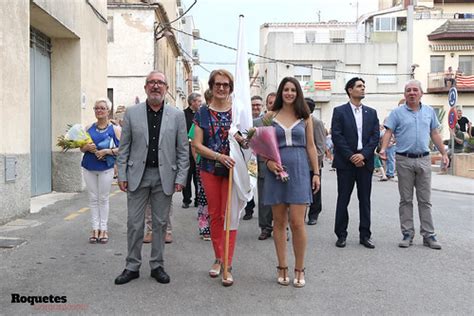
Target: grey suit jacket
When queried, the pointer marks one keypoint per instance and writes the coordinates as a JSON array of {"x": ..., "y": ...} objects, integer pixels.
[
  {"x": 258, "y": 122},
  {"x": 173, "y": 149},
  {"x": 319, "y": 135}
]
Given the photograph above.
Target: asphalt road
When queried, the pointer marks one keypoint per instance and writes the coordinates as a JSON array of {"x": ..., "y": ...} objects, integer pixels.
[{"x": 57, "y": 260}]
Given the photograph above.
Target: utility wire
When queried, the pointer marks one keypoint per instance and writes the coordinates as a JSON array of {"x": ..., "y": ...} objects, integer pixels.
[
  {"x": 97, "y": 13},
  {"x": 187, "y": 54},
  {"x": 182, "y": 15},
  {"x": 290, "y": 63}
]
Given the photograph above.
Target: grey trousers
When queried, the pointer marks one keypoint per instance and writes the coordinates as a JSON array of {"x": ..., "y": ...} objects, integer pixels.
[
  {"x": 415, "y": 173},
  {"x": 150, "y": 189},
  {"x": 265, "y": 216}
]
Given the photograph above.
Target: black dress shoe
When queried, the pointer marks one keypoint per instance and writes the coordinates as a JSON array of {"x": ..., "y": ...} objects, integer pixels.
[
  {"x": 247, "y": 216},
  {"x": 341, "y": 242},
  {"x": 160, "y": 275},
  {"x": 127, "y": 276},
  {"x": 367, "y": 242},
  {"x": 265, "y": 234},
  {"x": 185, "y": 205},
  {"x": 312, "y": 221}
]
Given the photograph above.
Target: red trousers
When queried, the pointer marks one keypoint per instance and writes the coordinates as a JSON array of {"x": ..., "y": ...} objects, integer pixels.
[{"x": 216, "y": 189}]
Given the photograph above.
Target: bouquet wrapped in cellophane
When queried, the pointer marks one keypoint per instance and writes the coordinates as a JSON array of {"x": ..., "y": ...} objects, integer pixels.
[
  {"x": 75, "y": 137},
  {"x": 263, "y": 142}
]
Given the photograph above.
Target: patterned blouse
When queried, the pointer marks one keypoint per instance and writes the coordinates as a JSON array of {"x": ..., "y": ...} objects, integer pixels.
[{"x": 215, "y": 126}]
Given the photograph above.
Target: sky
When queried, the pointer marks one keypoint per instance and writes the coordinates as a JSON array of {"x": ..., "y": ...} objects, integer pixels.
[{"x": 218, "y": 21}]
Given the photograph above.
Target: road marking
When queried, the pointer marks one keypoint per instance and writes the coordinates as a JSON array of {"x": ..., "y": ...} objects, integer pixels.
[{"x": 71, "y": 216}]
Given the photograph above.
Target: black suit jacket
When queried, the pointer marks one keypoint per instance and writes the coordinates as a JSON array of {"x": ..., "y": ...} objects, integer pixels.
[{"x": 344, "y": 136}]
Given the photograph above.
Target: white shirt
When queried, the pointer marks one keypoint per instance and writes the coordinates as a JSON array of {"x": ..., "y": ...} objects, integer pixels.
[{"x": 357, "y": 111}]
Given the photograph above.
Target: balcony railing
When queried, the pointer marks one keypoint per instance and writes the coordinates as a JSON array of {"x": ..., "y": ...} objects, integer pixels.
[{"x": 437, "y": 83}]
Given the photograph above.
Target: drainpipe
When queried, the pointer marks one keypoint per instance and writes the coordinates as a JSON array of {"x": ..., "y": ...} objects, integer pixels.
[{"x": 410, "y": 36}]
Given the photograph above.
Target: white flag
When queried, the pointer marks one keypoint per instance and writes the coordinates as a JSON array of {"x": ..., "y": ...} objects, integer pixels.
[{"x": 241, "y": 121}]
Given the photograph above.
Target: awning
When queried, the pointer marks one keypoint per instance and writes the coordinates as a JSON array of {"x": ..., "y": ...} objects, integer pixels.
[{"x": 451, "y": 47}]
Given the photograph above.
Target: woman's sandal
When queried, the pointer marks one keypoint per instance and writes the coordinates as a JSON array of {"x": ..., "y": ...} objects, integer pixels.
[
  {"x": 298, "y": 282},
  {"x": 230, "y": 280},
  {"x": 94, "y": 236},
  {"x": 215, "y": 269},
  {"x": 103, "y": 237},
  {"x": 285, "y": 279}
]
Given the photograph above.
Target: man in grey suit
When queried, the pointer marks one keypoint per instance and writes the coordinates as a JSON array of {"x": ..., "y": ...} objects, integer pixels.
[{"x": 153, "y": 162}]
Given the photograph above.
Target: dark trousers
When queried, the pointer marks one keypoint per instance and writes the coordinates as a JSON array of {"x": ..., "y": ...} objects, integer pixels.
[
  {"x": 250, "y": 206},
  {"x": 187, "y": 195},
  {"x": 265, "y": 216},
  {"x": 316, "y": 207},
  {"x": 345, "y": 184}
]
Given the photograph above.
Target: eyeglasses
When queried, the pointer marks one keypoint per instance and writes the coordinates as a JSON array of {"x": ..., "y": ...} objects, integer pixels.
[
  {"x": 224, "y": 85},
  {"x": 160, "y": 83},
  {"x": 257, "y": 105},
  {"x": 100, "y": 109}
]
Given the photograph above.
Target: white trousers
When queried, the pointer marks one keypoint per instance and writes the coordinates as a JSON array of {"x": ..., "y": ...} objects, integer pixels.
[{"x": 98, "y": 184}]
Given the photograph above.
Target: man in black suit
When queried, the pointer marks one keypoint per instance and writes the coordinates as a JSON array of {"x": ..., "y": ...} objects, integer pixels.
[{"x": 355, "y": 134}]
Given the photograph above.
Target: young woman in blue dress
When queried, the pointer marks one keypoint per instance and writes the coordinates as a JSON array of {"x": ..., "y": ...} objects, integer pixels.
[{"x": 289, "y": 200}]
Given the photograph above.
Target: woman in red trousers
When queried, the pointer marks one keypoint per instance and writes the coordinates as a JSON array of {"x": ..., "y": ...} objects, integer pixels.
[{"x": 212, "y": 125}]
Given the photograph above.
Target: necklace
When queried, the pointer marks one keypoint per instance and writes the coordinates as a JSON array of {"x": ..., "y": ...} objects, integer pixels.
[{"x": 101, "y": 130}]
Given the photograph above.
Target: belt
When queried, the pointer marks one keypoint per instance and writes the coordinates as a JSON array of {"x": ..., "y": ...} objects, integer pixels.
[{"x": 410, "y": 155}]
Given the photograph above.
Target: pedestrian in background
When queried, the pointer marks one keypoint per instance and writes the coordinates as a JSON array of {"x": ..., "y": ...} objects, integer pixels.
[
  {"x": 203, "y": 212},
  {"x": 289, "y": 200},
  {"x": 194, "y": 103},
  {"x": 153, "y": 163},
  {"x": 319, "y": 136},
  {"x": 98, "y": 171},
  {"x": 355, "y": 134},
  {"x": 257, "y": 107},
  {"x": 413, "y": 124},
  {"x": 265, "y": 217}
]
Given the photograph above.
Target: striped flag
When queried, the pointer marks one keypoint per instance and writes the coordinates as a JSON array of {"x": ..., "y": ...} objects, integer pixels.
[
  {"x": 465, "y": 81},
  {"x": 322, "y": 85}
]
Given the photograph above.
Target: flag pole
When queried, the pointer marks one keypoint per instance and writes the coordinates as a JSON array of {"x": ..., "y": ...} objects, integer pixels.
[{"x": 227, "y": 223}]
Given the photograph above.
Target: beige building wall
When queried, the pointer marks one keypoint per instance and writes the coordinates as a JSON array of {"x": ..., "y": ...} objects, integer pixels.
[
  {"x": 130, "y": 52},
  {"x": 14, "y": 107},
  {"x": 78, "y": 73}
]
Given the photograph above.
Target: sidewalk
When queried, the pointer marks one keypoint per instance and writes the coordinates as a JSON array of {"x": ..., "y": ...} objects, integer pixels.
[{"x": 450, "y": 184}]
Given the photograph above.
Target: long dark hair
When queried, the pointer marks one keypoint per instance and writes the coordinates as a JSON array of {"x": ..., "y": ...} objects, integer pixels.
[{"x": 300, "y": 106}]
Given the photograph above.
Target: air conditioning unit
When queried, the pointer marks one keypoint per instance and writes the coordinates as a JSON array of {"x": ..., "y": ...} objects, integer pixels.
[
  {"x": 178, "y": 3},
  {"x": 196, "y": 34},
  {"x": 180, "y": 11}
]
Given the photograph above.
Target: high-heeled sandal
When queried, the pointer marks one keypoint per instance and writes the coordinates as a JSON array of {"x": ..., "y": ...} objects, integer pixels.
[
  {"x": 103, "y": 237},
  {"x": 298, "y": 282},
  {"x": 230, "y": 280},
  {"x": 214, "y": 272},
  {"x": 285, "y": 279},
  {"x": 94, "y": 236}
]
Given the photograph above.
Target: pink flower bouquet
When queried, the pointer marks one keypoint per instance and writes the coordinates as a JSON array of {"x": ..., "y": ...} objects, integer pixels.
[{"x": 263, "y": 142}]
